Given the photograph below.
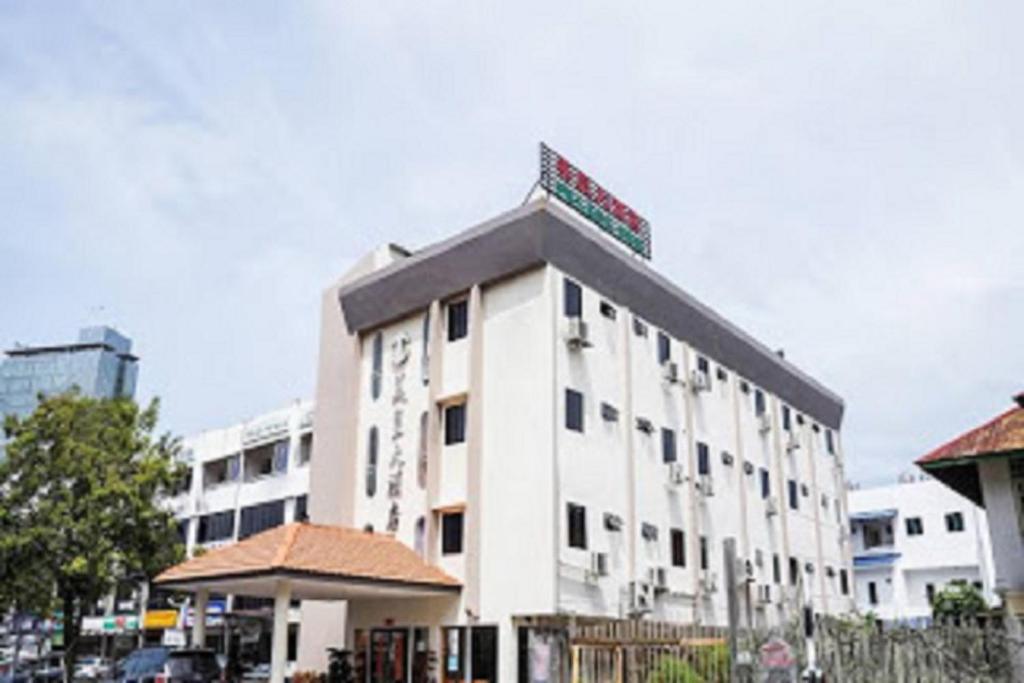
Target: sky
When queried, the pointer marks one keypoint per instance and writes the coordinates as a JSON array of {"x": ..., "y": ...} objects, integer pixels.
[{"x": 844, "y": 180}]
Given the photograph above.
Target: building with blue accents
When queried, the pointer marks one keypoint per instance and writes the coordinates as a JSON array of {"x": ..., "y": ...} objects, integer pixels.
[{"x": 99, "y": 364}]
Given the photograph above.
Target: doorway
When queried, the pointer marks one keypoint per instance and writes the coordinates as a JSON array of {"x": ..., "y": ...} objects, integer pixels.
[{"x": 388, "y": 655}]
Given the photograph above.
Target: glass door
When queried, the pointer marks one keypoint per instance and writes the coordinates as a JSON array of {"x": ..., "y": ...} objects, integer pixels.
[{"x": 388, "y": 655}]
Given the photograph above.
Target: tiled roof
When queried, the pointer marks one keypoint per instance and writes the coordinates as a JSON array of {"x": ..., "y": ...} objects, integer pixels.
[
  {"x": 314, "y": 549},
  {"x": 1002, "y": 434}
]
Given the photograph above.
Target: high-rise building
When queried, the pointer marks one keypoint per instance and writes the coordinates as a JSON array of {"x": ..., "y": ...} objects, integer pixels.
[{"x": 100, "y": 364}]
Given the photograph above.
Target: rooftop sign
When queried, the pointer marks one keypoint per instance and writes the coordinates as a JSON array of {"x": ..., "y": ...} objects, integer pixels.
[{"x": 593, "y": 202}]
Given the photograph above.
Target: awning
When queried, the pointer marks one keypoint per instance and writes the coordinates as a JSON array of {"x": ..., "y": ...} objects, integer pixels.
[
  {"x": 319, "y": 562},
  {"x": 875, "y": 560},
  {"x": 870, "y": 515}
]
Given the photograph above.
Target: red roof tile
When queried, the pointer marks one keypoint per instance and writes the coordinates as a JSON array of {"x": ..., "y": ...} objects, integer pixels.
[
  {"x": 1002, "y": 434},
  {"x": 314, "y": 549}
]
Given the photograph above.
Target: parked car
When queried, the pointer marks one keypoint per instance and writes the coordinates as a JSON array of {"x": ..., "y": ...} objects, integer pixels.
[
  {"x": 49, "y": 669},
  {"x": 160, "y": 665}
]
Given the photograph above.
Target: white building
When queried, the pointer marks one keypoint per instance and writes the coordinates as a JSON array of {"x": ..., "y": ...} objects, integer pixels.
[
  {"x": 912, "y": 538},
  {"x": 564, "y": 431},
  {"x": 244, "y": 479}
]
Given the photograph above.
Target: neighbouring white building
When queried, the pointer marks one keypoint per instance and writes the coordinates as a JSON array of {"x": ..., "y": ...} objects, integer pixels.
[
  {"x": 564, "y": 431},
  {"x": 912, "y": 538},
  {"x": 244, "y": 479}
]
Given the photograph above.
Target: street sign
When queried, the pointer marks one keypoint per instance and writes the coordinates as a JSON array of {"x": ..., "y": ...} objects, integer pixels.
[{"x": 579, "y": 191}]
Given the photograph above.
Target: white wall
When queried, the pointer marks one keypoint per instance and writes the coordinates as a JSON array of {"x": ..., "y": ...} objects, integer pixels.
[{"x": 1006, "y": 534}]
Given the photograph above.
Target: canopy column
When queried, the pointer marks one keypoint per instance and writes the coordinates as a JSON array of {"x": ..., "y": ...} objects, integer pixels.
[
  {"x": 199, "y": 618},
  {"x": 279, "y": 639}
]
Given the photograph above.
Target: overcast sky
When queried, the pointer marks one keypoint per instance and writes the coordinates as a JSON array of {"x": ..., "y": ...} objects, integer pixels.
[{"x": 843, "y": 179}]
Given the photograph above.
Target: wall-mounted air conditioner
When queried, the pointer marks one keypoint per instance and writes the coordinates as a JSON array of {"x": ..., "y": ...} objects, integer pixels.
[
  {"x": 699, "y": 381},
  {"x": 708, "y": 582},
  {"x": 764, "y": 423},
  {"x": 658, "y": 578},
  {"x": 676, "y": 474},
  {"x": 706, "y": 485},
  {"x": 644, "y": 425},
  {"x": 771, "y": 506},
  {"x": 577, "y": 335},
  {"x": 670, "y": 372},
  {"x": 764, "y": 594},
  {"x": 598, "y": 565},
  {"x": 641, "y": 597},
  {"x": 792, "y": 442}
]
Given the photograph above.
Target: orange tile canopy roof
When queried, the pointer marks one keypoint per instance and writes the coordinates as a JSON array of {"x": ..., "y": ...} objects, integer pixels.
[
  {"x": 314, "y": 550},
  {"x": 1002, "y": 434}
]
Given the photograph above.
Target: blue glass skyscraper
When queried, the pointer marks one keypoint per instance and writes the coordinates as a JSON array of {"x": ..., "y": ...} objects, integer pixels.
[{"x": 100, "y": 364}]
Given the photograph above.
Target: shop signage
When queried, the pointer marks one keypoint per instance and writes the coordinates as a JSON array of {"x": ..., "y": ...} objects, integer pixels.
[
  {"x": 579, "y": 191},
  {"x": 93, "y": 626},
  {"x": 160, "y": 619}
]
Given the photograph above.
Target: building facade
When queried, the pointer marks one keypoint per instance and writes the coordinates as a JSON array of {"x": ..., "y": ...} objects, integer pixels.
[
  {"x": 100, "y": 364},
  {"x": 244, "y": 479},
  {"x": 910, "y": 540},
  {"x": 564, "y": 431}
]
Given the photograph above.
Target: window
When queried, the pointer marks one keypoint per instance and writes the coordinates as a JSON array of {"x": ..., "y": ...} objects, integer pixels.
[
  {"x": 607, "y": 310},
  {"x": 420, "y": 536},
  {"x": 954, "y": 522},
  {"x": 219, "y": 526},
  {"x": 776, "y": 568},
  {"x": 844, "y": 582},
  {"x": 703, "y": 366},
  {"x": 458, "y": 320},
  {"x": 872, "y": 593},
  {"x": 668, "y": 445},
  {"x": 704, "y": 552},
  {"x": 425, "y": 349},
  {"x": 786, "y": 424},
  {"x": 929, "y": 592},
  {"x": 371, "y": 463},
  {"x": 573, "y": 410},
  {"x": 639, "y": 327},
  {"x": 577, "y": 526},
  {"x": 609, "y": 413},
  {"x": 678, "y": 537},
  {"x": 744, "y": 387},
  {"x": 378, "y": 365},
  {"x": 794, "y": 500},
  {"x": 759, "y": 405},
  {"x": 305, "y": 448},
  {"x": 766, "y": 488},
  {"x": 572, "y": 299},
  {"x": 455, "y": 424},
  {"x": 648, "y": 531},
  {"x": 257, "y": 518},
  {"x": 301, "y": 514},
  {"x": 794, "y": 571},
  {"x": 720, "y": 374},
  {"x": 915, "y": 527},
  {"x": 664, "y": 348},
  {"x": 830, "y": 445},
  {"x": 804, "y": 491},
  {"x": 703, "y": 458},
  {"x": 451, "y": 533}
]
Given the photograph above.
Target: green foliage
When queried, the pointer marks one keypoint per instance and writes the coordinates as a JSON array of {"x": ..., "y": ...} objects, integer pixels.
[
  {"x": 958, "y": 599},
  {"x": 79, "y": 510},
  {"x": 673, "y": 670},
  {"x": 704, "y": 664}
]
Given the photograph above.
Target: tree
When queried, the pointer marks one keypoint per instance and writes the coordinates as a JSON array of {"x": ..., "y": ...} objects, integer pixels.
[
  {"x": 79, "y": 506},
  {"x": 958, "y": 599}
]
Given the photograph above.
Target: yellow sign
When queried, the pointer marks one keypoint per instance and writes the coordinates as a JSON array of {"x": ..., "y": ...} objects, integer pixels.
[{"x": 161, "y": 618}]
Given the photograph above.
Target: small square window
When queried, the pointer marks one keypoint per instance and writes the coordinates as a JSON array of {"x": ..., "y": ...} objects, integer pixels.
[
  {"x": 608, "y": 311},
  {"x": 744, "y": 387},
  {"x": 954, "y": 522},
  {"x": 455, "y": 424},
  {"x": 609, "y": 413},
  {"x": 639, "y": 327},
  {"x": 458, "y": 320},
  {"x": 721, "y": 374},
  {"x": 451, "y": 533},
  {"x": 648, "y": 532},
  {"x": 915, "y": 527},
  {"x": 727, "y": 458}
]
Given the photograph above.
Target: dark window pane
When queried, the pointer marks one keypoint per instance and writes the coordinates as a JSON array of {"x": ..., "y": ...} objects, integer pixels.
[
  {"x": 455, "y": 424},
  {"x": 703, "y": 552},
  {"x": 371, "y": 463},
  {"x": 759, "y": 404},
  {"x": 785, "y": 418},
  {"x": 703, "y": 458},
  {"x": 378, "y": 365},
  {"x": 776, "y": 569},
  {"x": 794, "y": 498},
  {"x": 458, "y": 320},
  {"x": 678, "y": 548},
  {"x": 668, "y": 445},
  {"x": 300, "y": 509},
  {"x": 451, "y": 533},
  {"x": 573, "y": 410},
  {"x": 664, "y": 348},
  {"x": 257, "y": 518},
  {"x": 765, "y": 483},
  {"x": 573, "y": 299},
  {"x": 577, "y": 526}
]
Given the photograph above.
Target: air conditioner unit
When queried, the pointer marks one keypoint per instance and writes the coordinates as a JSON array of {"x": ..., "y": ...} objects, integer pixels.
[
  {"x": 764, "y": 423},
  {"x": 676, "y": 474},
  {"x": 577, "y": 335},
  {"x": 670, "y": 372},
  {"x": 658, "y": 578},
  {"x": 706, "y": 486},
  {"x": 771, "y": 506},
  {"x": 792, "y": 442},
  {"x": 641, "y": 597},
  {"x": 708, "y": 582},
  {"x": 598, "y": 565},
  {"x": 644, "y": 425},
  {"x": 764, "y": 593},
  {"x": 699, "y": 381}
]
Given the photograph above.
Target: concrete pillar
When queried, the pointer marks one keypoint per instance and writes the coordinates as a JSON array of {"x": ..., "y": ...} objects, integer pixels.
[
  {"x": 199, "y": 618},
  {"x": 279, "y": 637}
]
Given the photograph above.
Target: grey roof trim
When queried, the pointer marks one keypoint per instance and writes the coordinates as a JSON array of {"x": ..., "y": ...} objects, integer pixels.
[{"x": 541, "y": 232}]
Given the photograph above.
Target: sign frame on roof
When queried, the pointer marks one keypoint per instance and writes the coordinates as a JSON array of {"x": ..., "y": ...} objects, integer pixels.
[{"x": 576, "y": 189}]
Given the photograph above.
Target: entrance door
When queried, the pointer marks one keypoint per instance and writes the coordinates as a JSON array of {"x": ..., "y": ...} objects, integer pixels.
[{"x": 388, "y": 655}]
